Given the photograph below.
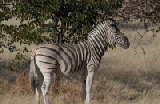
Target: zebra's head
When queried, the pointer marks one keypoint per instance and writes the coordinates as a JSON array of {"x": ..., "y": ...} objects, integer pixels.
[{"x": 115, "y": 36}]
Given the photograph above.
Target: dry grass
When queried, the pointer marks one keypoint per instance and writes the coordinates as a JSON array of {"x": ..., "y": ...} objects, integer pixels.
[
  {"x": 22, "y": 86},
  {"x": 125, "y": 77}
]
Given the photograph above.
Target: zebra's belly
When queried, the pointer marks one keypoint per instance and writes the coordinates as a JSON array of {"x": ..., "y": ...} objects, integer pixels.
[
  {"x": 74, "y": 72},
  {"x": 68, "y": 68}
]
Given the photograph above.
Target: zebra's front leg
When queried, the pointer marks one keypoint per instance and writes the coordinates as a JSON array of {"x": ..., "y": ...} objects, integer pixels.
[
  {"x": 89, "y": 81},
  {"x": 45, "y": 86},
  {"x": 84, "y": 87}
]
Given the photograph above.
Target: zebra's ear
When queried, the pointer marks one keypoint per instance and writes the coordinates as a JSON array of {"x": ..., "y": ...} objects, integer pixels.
[{"x": 111, "y": 23}]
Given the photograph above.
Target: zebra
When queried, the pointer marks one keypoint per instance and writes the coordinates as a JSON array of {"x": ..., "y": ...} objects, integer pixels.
[{"x": 49, "y": 60}]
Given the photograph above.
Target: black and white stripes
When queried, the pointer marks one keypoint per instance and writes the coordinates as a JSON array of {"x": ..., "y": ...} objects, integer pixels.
[{"x": 77, "y": 59}]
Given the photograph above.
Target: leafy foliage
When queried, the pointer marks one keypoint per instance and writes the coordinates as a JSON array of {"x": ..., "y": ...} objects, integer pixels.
[
  {"x": 17, "y": 63},
  {"x": 71, "y": 17},
  {"x": 148, "y": 11}
]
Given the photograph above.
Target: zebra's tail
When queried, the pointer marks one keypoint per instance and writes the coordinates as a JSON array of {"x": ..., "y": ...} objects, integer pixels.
[{"x": 33, "y": 70}]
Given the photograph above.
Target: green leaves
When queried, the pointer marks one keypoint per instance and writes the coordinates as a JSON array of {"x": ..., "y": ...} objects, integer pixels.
[
  {"x": 73, "y": 17},
  {"x": 17, "y": 63}
]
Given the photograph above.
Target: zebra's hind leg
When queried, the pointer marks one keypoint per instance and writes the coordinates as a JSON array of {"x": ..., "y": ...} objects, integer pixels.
[
  {"x": 38, "y": 95},
  {"x": 45, "y": 86},
  {"x": 38, "y": 87}
]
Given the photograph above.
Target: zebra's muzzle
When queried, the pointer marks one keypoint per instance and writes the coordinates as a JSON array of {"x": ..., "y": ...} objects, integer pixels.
[{"x": 126, "y": 43}]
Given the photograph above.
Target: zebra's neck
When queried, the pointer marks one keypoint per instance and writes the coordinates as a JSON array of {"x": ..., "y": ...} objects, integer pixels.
[
  {"x": 99, "y": 44},
  {"x": 98, "y": 40}
]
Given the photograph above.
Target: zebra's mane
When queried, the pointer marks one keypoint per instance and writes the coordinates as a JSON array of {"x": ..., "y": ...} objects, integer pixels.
[{"x": 100, "y": 27}]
